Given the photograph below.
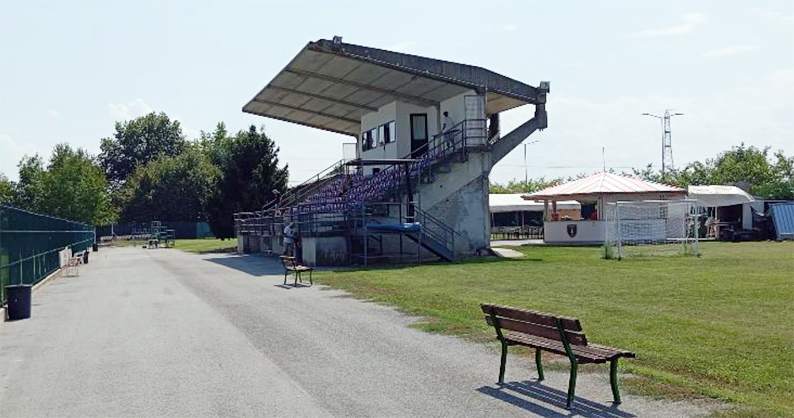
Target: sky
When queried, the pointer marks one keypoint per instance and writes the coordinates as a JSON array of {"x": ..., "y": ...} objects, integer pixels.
[{"x": 70, "y": 69}]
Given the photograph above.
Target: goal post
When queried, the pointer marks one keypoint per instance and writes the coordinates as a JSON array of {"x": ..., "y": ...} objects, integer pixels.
[{"x": 648, "y": 228}]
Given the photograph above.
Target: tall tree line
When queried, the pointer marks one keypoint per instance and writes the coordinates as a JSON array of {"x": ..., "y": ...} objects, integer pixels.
[
  {"x": 147, "y": 171},
  {"x": 769, "y": 175}
]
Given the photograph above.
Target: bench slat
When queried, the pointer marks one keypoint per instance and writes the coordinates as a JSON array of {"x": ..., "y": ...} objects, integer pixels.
[
  {"x": 535, "y": 317},
  {"x": 575, "y": 338},
  {"x": 586, "y": 354}
]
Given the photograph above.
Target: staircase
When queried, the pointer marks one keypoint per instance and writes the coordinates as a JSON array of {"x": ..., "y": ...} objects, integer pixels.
[{"x": 435, "y": 236}]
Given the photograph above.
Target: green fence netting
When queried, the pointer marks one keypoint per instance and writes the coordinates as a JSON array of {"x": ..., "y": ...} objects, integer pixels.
[{"x": 30, "y": 243}]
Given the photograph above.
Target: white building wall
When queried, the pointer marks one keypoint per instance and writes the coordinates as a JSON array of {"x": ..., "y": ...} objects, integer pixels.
[
  {"x": 404, "y": 111},
  {"x": 385, "y": 114},
  {"x": 456, "y": 107}
]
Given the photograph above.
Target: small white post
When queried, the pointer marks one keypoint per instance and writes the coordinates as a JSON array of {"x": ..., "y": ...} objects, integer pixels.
[
  {"x": 618, "y": 231},
  {"x": 697, "y": 233}
]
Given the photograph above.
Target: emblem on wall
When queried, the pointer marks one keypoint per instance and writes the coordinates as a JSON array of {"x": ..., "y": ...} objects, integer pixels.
[{"x": 571, "y": 230}]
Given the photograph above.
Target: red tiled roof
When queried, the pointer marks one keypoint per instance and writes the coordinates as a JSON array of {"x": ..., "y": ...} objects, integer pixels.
[{"x": 604, "y": 183}]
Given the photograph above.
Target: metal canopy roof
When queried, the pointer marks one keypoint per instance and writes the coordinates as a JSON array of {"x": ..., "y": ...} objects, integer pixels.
[{"x": 329, "y": 85}]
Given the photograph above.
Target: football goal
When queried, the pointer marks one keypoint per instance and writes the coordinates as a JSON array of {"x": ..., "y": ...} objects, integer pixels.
[{"x": 651, "y": 228}]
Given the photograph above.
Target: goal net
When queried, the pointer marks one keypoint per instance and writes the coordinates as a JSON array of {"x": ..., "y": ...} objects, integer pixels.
[{"x": 650, "y": 228}]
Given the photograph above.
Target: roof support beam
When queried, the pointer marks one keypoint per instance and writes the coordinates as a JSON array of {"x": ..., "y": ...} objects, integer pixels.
[
  {"x": 326, "y": 98},
  {"x": 407, "y": 97},
  {"x": 299, "y": 109}
]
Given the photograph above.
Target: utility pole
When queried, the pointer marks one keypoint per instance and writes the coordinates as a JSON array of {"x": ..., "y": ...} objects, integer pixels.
[{"x": 667, "y": 142}]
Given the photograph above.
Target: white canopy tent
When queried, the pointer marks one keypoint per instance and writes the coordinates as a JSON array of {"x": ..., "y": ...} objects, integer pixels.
[
  {"x": 500, "y": 203},
  {"x": 719, "y": 196}
]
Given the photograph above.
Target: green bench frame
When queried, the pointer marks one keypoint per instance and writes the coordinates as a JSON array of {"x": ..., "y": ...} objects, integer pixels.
[{"x": 553, "y": 333}]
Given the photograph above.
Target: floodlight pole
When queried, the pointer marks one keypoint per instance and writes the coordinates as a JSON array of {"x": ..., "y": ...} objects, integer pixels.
[{"x": 667, "y": 142}]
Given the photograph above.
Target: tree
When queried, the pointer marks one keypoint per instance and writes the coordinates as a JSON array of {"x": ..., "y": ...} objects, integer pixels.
[
  {"x": 137, "y": 142},
  {"x": 7, "y": 193},
  {"x": 170, "y": 188},
  {"x": 29, "y": 189},
  {"x": 738, "y": 165},
  {"x": 71, "y": 187},
  {"x": 249, "y": 162},
  {"x": 533, "y": 185}
]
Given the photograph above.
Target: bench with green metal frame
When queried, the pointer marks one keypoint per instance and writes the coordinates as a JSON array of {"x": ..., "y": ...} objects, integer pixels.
[
  {"x": 555, "y": 334},
  {"x": 291, "y": 265}
]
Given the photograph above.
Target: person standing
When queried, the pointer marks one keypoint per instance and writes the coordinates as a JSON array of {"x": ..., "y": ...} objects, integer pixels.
[
  {"x": 446, "y": 129},
  {"x": 289, "y": 240}
]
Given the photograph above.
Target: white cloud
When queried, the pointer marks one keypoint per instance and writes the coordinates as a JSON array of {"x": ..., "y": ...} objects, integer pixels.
[
  {"x": 777, "y": 16},
  {"x": 401, "y": 46},
  {"x": 690, "y": 21},
  {"x": 190, "y": 133},
  {"x": 127, "y": 111},
  {"x": 53, "y": 114},
  {"x": 13, "y": 151},
  {"x": 579, "y": 127},
  {"x": 731, "y": 50},
  {"x": 510, "y": 27}
]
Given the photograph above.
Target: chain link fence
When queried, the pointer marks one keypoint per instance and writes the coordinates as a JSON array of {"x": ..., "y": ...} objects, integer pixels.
[{"x": 30, "y": 242}]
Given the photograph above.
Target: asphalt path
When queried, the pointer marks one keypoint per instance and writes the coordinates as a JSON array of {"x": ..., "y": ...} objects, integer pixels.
[{"x": 150, "y": 333}]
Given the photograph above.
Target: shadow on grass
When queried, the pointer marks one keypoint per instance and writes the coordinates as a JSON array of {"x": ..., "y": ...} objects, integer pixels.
[
  {"x": 386, "y": 267},
  {"x": 522, "y": 395},
  {"x": 252, "y": 264}
]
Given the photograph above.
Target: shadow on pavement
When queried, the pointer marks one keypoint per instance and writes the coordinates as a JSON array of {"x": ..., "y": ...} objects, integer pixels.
[
  {"x": 290, "y": 286},
  {"x": 255, "y": 265},
  {"x": 551, "y": 397}
]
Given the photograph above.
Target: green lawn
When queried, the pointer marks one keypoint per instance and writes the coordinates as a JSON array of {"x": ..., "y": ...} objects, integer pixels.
[
  {"x": 206, "y": 245},
  {"x": 721, "y": 325}
]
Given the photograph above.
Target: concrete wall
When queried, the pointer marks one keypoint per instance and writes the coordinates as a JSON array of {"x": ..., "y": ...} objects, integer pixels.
[
  {"x": 459, "y": 198},
  {"x": 325, "y": 251}
]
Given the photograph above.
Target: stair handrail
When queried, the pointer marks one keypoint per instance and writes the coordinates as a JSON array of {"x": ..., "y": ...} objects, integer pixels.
[
  {"x": 436, "y": 229},
  {"x": 296, "y": 193}
]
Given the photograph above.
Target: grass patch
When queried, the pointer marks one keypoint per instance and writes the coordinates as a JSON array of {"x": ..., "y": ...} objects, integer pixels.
[
  {"x": 720, "y": 326},
  {"x": 206, "y": 245}
]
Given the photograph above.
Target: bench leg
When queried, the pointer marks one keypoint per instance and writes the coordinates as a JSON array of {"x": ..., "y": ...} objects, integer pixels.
[
  {"x": 285, "y": 276},
  {"x": 296, "y": 277},
  {"x": 311, "y": 282},
  {"x": 572, "y": 384},
  {"x": 503, "y": 364},
  {"x": 539, "y": 362},
  {"x": 613, "y": 379}
]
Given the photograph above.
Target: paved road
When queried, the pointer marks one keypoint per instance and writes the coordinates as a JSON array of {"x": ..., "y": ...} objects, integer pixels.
[{"x": 166, "y": 333}]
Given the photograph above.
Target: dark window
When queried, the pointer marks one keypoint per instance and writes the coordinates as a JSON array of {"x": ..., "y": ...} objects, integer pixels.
[
  {"x": 388, "y": 132},
  {"x": 366, "y": 141},
  {"x": 419, "y": 127}
]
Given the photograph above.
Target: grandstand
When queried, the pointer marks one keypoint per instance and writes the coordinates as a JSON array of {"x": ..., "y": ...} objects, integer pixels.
[{"x": 414, "y": 190}]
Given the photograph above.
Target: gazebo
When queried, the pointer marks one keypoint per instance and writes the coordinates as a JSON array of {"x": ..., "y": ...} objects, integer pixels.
[{"x": 594, "y": 192}]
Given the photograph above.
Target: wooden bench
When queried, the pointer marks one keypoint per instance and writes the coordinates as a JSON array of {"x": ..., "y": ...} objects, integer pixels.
[
  {"x": 291, "y": 266},
  {"x": 73, "y": 264},
  {"x": 555, "y": 334}
]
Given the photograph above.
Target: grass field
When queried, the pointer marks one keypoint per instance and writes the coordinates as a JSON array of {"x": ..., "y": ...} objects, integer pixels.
[
  {"x": 718, "y": 326},
  {"x": 206, "y": 245}
]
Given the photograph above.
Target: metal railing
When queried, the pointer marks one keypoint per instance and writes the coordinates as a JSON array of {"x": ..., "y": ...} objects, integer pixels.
[
  {"x": 308, "y": 187},
  {"x": 437, "y": 230},
  {"x": 30, "y": 242}
]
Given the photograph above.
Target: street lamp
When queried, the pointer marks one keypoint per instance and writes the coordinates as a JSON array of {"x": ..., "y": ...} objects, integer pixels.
[
  {"x": 526, "y": 171},
  {"x": 667, "y": 143}
]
